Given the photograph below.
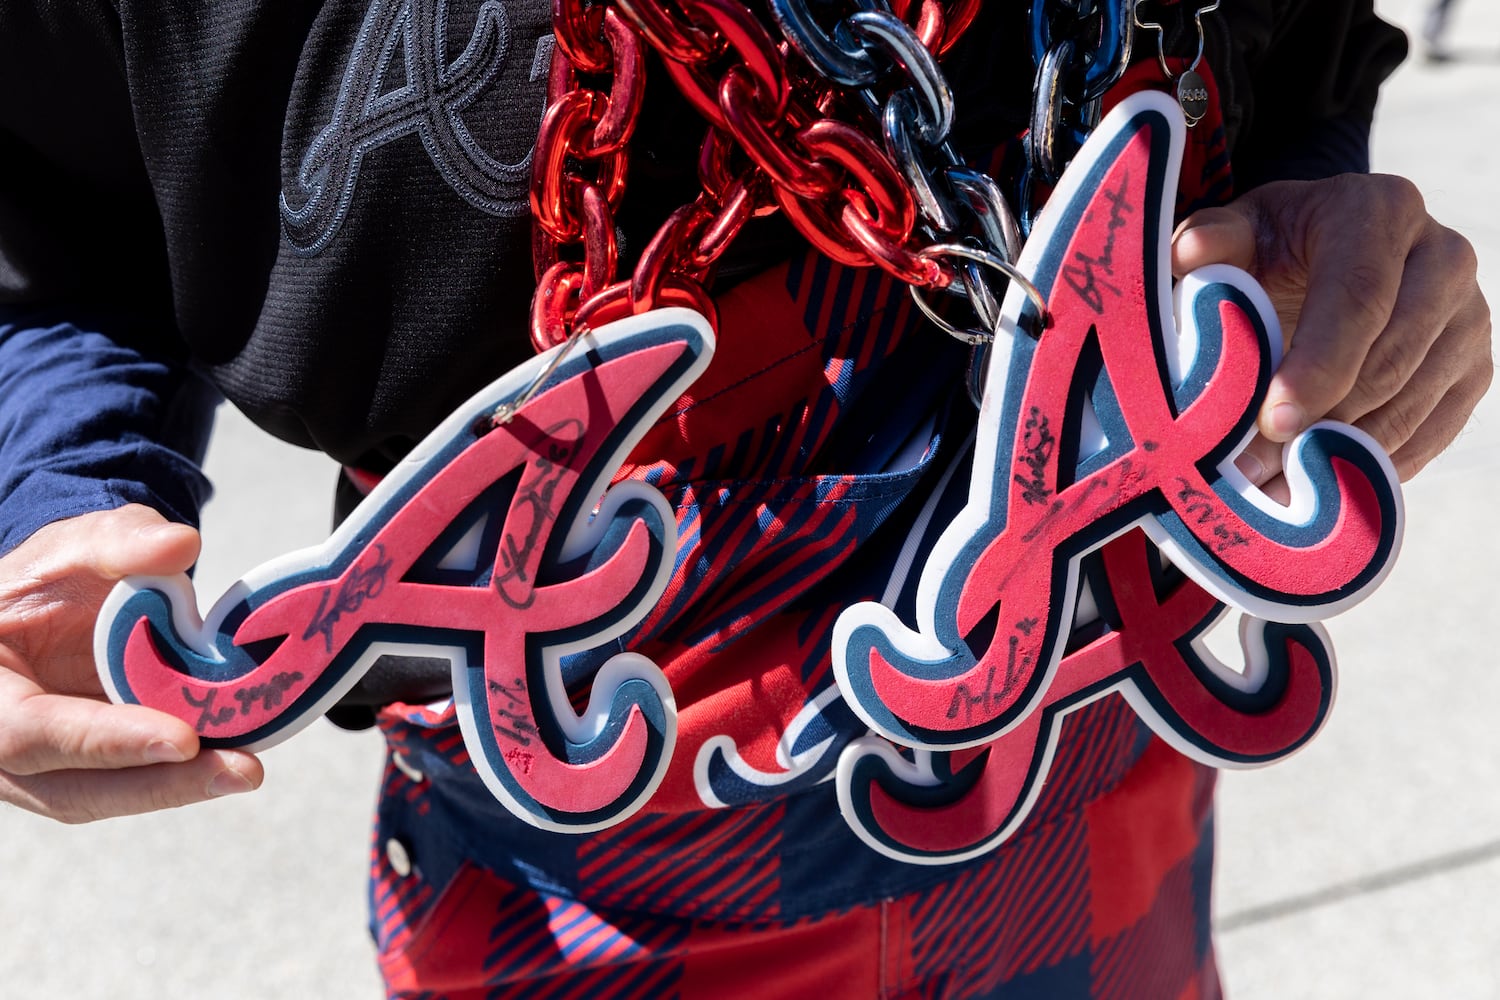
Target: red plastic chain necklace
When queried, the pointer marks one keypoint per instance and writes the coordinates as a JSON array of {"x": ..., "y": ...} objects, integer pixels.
[{"x": 790, "y": 126}]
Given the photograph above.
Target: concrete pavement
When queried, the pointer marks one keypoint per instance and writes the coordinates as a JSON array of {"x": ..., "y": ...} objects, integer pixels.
[
  {"x": 1369, "y": 865},
  {"x": 1366, "y": 867}
]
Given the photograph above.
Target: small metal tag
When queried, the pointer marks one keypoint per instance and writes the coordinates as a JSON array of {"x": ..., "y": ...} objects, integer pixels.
[{"x": 1192, "y": 94}]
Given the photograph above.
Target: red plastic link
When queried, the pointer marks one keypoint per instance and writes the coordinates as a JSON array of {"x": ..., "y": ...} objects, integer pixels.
[
  {"x": 931, "y": 24},
  {"x": 554, "y": 304},
  {"x": 892, "y": 257},
  {"x": 551, "y": 181},
  {"x": 662, "y": 258},
  {"x": 736, "y": 207},
  {"x": 959, "y": 17},
  {"x": 800, "y": 176},
  {"x": 669, "y": 32},
  {"x": 577, "y": 31},
  {"x": 615, "y": 302},
  {"x": 600, "y": 255},
  {"x": 617, "y": 122},
  {"x": 758, "y": 54},
  {"x": 556, "y": 193},
  {"x": 717, "y": 158},
  {"x": 880, "y": 182},
  {"x": 824, "y": 231}
]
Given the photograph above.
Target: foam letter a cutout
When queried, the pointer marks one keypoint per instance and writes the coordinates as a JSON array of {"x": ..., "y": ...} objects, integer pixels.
[{"x": 499, "y": 548}]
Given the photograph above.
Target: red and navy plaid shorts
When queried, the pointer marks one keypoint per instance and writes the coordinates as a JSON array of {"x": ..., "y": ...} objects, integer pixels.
[{"x": 1104, "y": 893}]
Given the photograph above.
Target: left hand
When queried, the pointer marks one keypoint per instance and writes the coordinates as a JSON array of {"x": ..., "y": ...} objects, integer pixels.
[
  {"x": 65, "y": 751},
  {"x": 1380, "y": 307}
]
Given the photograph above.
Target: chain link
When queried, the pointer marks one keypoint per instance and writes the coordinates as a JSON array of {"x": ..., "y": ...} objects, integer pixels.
[
  {"x": 902, "y": 87},
  {"x": 1080, "y": 49}
]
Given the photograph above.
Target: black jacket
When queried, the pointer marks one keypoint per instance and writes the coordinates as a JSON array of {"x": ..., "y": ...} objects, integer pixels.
[{"x": 324, "y": 206}]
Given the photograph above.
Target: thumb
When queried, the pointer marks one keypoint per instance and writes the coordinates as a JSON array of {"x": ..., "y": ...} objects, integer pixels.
[
  {"x": 1213, "y": 236},
  {"x": 136, "y": 540}
]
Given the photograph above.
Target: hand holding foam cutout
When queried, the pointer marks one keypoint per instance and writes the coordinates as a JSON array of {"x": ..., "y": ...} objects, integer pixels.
[
  {"x": 1119, "y": 414},
  {"x": 483, "y": 547}
]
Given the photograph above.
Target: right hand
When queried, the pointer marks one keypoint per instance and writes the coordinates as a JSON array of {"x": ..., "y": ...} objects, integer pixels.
[
  {"x": 65, "y": 751},
  {"x": 1385, "y": 324}
]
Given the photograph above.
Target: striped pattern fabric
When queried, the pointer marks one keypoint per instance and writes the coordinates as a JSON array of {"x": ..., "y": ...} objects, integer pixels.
[{"x": 1105, "y": 898}]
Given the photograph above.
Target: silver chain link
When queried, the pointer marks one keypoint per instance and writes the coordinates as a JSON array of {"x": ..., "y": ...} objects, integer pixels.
[{"x": 1080, "y": 49}]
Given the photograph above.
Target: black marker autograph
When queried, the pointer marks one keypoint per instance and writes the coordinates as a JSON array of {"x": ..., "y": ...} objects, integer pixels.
[
  {"x": 358, "y": 588},
  {"x": 534, "y": 506},
  {"x": 268, "y": 696},
  {"x": 1083, "y": 275},
  {"x": 1038, "y": 444},
  {"x": 512, "y": 719}
]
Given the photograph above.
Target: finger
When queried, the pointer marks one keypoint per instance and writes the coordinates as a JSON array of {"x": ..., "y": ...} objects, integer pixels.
[
  {"x": 1459, "y": 357},
  {"x": 85, "y": 796},
  {"x": 51, "y": 587},
  {"x": 1435, "y": 300},
  {"x": 1213, "y": 236},
  {"x": 1260, "y": 461},
  {"x": 51, "y": 732},
  {"x": 1441, "y": 427},
  {"x": 111, "y": 545},
  {"x": 1353, "y": 280},
  {"x": 137, "y": 540},
  {"x": 1278, "y": 489}
]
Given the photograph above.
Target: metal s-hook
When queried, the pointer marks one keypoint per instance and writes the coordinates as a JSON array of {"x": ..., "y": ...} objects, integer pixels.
[{"x": 1192, "y": 91}]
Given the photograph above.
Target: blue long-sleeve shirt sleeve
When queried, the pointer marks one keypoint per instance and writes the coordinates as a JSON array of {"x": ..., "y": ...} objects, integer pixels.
[{"x": 88, "y": 424}]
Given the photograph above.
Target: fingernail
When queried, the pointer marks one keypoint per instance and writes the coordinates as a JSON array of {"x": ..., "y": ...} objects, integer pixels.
[
  {"x": 229, "y": 783},
  {"x": 162, "y": 752},
  {"x": 1251, "y": 467},
  {"x": 1286, "y": 419}
]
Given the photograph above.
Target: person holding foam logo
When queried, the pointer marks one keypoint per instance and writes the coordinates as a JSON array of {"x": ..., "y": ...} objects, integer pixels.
[{"x": 812, "y": 614}]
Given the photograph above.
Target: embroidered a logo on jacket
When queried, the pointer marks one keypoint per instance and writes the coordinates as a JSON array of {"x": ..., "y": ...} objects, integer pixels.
[{"x": 424, "y": 93}]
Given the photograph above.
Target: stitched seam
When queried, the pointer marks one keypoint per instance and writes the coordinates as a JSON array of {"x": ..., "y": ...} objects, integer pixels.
[
  {"x": 743, "y": 381},
  {"x": 885, "y": 906},
  {"x": 901, "y": 490},
  {"x": 863, "y": 319}
]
